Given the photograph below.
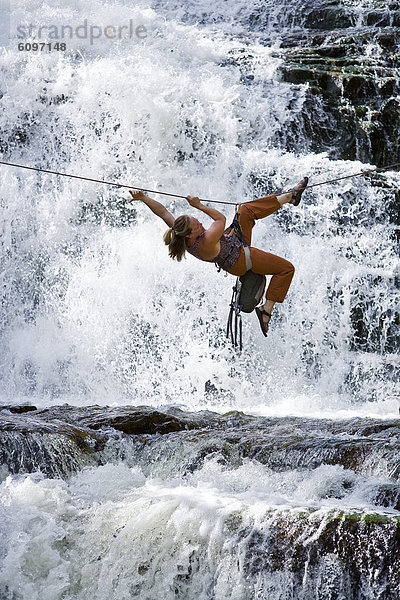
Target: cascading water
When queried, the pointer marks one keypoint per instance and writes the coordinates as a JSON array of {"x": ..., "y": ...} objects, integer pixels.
[{"x": 227, "y": 101}]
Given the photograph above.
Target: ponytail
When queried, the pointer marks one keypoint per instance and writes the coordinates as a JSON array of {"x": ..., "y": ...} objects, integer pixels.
[{"x": 175, "y": 237}]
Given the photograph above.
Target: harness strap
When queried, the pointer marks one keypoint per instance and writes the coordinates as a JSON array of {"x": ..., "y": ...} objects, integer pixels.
[
  {"x": 249, "y": 264},
  {"x": 237, "y": 230}
]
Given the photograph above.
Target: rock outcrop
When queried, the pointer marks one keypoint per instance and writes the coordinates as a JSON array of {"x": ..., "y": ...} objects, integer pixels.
[{"x": 348, "y": 54}]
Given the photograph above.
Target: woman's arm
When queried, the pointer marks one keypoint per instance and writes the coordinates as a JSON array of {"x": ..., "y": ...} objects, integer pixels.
[
  {"x": 215, "y": 231},
  {"x": 157, "y": 208}
]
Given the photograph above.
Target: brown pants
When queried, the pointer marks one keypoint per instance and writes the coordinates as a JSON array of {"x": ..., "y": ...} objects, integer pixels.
[{"x": 282, "y": 271}]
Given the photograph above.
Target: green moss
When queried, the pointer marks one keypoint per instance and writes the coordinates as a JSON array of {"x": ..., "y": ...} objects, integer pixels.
[{"x": 358, "y": 517}]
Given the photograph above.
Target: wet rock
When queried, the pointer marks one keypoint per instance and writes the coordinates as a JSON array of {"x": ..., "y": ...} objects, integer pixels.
[
  {"x": 181, "y": 441},
  {"x": 19, "y": 408},
  {"x": 352, "y": 555},
  {"x": 328, "y": 16},
  {"x": 146, "y": 421},
  {"x": 132, "y": 420},
  {"x": 388, "y": 496},
  {"x": 56, "y": 448},
  {"x": 378, "y": 18},
  {"x": 349, "y": 58}
]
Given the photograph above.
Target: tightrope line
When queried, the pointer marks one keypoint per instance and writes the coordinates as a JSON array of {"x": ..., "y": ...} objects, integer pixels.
[{"x": 132, "y": 187}]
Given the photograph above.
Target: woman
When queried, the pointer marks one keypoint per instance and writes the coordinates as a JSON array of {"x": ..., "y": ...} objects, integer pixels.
[{"x": 216, "y": 245}]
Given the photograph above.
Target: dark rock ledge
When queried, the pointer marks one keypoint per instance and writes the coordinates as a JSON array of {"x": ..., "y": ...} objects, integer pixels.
[{"x": 81, "y": 435}]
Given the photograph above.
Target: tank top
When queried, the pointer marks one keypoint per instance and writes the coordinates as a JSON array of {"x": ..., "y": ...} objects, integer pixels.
[{"x": 228, "y": 254}]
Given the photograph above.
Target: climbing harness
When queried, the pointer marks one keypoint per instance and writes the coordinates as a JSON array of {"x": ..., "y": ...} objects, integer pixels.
[
  {"x": 247, "y": 291},
  {"x": 237, "y": 232}
]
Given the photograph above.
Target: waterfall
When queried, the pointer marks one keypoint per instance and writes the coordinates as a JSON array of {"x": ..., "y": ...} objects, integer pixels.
[
  {"x": 228, "y": 101},
  {"x": 94, "y": 308}
]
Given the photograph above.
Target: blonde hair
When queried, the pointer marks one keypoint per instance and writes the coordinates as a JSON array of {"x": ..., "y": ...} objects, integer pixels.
[{"x": 175, "y": 237}]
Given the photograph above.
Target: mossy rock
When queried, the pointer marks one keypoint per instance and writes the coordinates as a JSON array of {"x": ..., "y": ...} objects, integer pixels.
[
  {"x": 350, "y": 109},
  {"x": 365, "y": 548}
]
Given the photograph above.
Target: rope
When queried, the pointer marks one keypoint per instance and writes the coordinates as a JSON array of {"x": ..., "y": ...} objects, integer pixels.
[
  {"x": 376, "y": 170},
  {"x": 132, "y": 187}
]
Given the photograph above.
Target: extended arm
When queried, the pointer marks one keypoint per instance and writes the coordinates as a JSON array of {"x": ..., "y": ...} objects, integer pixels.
[
  {"x": 215, "y": 231},
  {"x": 156, "y": 207}
]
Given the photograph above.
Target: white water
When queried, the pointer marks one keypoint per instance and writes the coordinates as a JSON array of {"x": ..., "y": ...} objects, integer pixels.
[
  {"x": 94, "y": 312},
  {"x": 111, "y": 533}
]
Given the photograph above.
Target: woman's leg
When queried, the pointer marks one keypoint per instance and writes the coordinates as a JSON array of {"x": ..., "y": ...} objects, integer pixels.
[
  {"x": 282, "y": 272},
  {"x": 259, "y": 209},
  {"x": 256, "y": 209},
  {"x": 285, "y": 198},
  {"x": 264, "y": 263}
]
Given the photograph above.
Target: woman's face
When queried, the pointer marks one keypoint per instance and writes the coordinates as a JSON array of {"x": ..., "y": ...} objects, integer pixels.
[{"x": 196, "y": 227}]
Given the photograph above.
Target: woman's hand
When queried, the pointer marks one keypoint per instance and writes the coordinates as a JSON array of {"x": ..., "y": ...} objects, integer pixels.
[
  {"x": 138, "y": 195},
  {"x": 156, "y": 207},
  {"x": 193, "y": 201}
]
